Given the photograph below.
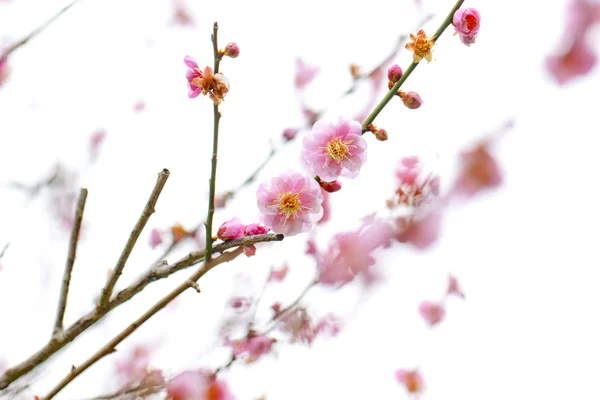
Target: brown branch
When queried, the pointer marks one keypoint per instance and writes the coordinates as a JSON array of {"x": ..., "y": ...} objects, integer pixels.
[
  {"x": 37, "y": 30},
  {"x": 57, "y": 342},
  {"x": 110, "y": 347},
  {"x": 64, "y": 291},
  {"x": 133, "y": 237}
]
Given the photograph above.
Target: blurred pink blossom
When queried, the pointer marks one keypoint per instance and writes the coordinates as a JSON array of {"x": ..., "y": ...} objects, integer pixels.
[
  {"x": 249, "y": 250},
  {"x": 414, "y": 188},
  {"x": 252, "y": 347},
  {"x": 240, "y": 304},
  {"x": 304, "y": 73},
  {"x": 197, "y": 385},
  {"x": 421, "y": 233},
  {"x": 432, "y": 313},
  {"x": 277, "y": 275},
  {"x": 299, "y": 325},
  {"x": 4, "y": 69},
  {"x": 334, "y": 148},
  {"x": 453, "y": 287},
  {"x": 411, "y": 379},
  {"x": 578, "y": 60},
  {"x": 155, "y": 238},
  {"x": 290, "y": 133},
  {"x": 290, "y": 203},
  {"x": 96, "y": 139},
  {"x": 478, "y": 171},
  {"x": 231, "y": 229}
]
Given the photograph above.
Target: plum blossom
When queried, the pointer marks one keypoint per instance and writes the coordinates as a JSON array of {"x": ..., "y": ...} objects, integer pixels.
[
  {"x": 422, "y": 232},
  {"x": 197, "y": 385},
  {"x": 453, "y": 287},
  {"x": 304, "y": 73},
  {"x": 478, "y": 171},
  {"x": 421, "y": 46},
  {"x": 255, "y": 229},
  {"x": 277, "y": 275},
  {"x": 411, "y": 379},
  {"x": 411, "y": 100},
  {"x": 231, "y": 229},
  {"x": 466, "y": 23},
  {"x": 300, "y": 326},
  {"x": 414, "y": 188},
  {"x": 578, "y": 60},
  {"x": 155, "y": 238},
  {"x": 290, "y": 203},
  {"x": 394, "y": 74},
  {"x": 252, "y": 347},
  {"x": 205, "y": 82},
  {"x": 350, "y": 253},
  {"x": 432, "y": 313},
  {"x": 4, "y": 69},
  {"x": 335, "y": 148},
  {"x": 240, "y": 304},
  {"x": 231, "y": 50}
]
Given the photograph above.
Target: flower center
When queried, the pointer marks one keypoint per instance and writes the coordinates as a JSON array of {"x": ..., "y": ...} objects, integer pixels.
[
  {"x": 289, "y": 204},
  {"x": 338, "y": 149}
]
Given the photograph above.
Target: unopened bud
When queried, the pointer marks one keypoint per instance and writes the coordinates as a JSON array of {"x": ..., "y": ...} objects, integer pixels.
[
  {"x": 380, "y": 134},
  {"x": 411, "y": 100},
  {"x": 330, "y": 187},
  {"x": 231, "y": 50},
  {"x": 394, "y": 73},
  {"x": 290, "y": 134}
]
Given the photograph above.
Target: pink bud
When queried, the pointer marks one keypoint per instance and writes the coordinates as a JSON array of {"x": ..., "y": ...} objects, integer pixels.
[
  {"x": 411, "y": 100},
  {"x": 255, "y": 229},
  {"x": 466, "y": 21},
  {"x": 381, "y": 135},
  {"x": 290, "y": 134},
  {"x": 249, "y": 251},
  {"x": 231, "y": 229},
  {"x": 330, "y": 187},
  {"x": 232, "y": 50},
  {"x": 394, "y": 73}
]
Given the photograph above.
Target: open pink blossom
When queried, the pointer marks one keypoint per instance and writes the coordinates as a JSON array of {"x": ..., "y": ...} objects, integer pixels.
[
  {"x": 289, "y": 204},
  {"x": 216, "y": 86},
  {"x": 350, "y": 253},
  {"x": 411, "y": 379},
  {"x": 466, "y": 21},
  {"x": 414, "y": 187},
  {"x": 192, "y": 73},
  {"x": 252, "y": 348},
  {"x": 231, "y": 229},
  {"x": 334, "y": 148},
  {"x": 432, "y": 313},
  {"x": 304, "y": 73},
  {"x": 197, "y": 385}
]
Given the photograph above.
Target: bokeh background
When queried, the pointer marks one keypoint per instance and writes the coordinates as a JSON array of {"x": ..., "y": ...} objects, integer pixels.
[{"x": 526, "y": 254}]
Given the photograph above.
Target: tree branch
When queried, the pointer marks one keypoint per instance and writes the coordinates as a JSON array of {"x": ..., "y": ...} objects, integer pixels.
[
  {"x": 133, "y": 237},
  {"x": 64, "y": 291}
]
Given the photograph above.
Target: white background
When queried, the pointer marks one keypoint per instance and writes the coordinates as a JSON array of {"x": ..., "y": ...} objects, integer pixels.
[{"x": 526, "y": 254}]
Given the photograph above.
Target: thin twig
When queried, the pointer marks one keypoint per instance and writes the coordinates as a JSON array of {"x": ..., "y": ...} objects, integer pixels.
[
  {"x": 110, "y": 347},
  {"x": 133, "y": 237},
  {"x": 213, "y": 169},
  {"x": 58, "y": 342},
  {"x": 37, "y": 30},
  {"x": 4, "y": 250},
  {"x": 64, "y": 290},
  {"x": 294, "y": 303}
]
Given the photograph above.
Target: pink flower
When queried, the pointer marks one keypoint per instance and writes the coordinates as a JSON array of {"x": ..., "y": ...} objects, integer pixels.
[
  {"x": 304, "y": 73},
  {"x": 277, "y": 275},
  {"x": 412, "y": 380},
  {"x": 299, "y": 325},
  {"x": 453, "y": 287},
  {"x": 197, "y": 385},
  {"x": 240, "y": 304},
  {"x": 478, "y": 171},
  {"x": 231, "y": 50},
  {"x": 134, "y": 366},
  {"x": 290, "y": 203},
  {"x": 192, "y": 73},
  {"x": 4, "y": 69},
  {"x": 421, "y": 233},
  {"x": 431, "y": 312},
  {"x": 205, "y": 82},
  {"x": 414, "y": 189},
  {"x": 232, "y": 229},
  {"x": 252, "y": 347},
  {"x": 255, "y": 229},
  {"x": 394, "y": 73},
  {"x": 249, "y": 251},
  {"x": 578, "y": 60},
  {"x": 290, "y": 133},
  {"x": 466, "y": 21},
  {"x": 335, "y": 147},
  {"x": 349, "y": 253},
  {"x": 155, "y": 238}
]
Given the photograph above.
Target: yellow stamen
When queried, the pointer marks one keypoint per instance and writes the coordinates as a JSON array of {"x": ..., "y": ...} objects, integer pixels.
[{"x": 338, "y": 149}]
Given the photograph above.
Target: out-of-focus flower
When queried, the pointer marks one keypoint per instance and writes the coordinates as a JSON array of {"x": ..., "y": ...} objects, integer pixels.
[
  {"x": 411, "y": 100},
  {"x": 96, "y": 140},
  {"x": 432, "y": 313},
  {"x": 231, "y": 50},
  {"x": 421, "y": 233},
  {"x": 466, "y": 21},
  {"x": 299, "y": 325},
  {"x": 155, "y": 238},
  {"x": 421, "y": 46},
  {"x": 334, "y": 148},
  {"x": 290, "y": 133},
  {"x": 350, "y": 253},
  {"x": 231, "y": 229},
  {"x": 181, "y": 15},
  {"x": 414, "y": 188},
  {"x": 277, "y": 275},
  {"x": 290, "y": 203},
  {"x": 411, "y": 379},
  {"x": 255, "y": 229},
  {"x": 178, "y": 232},
  {"x": 304, "y": 73},
  {"x": 4, "y": 69},
  {"x": 134, "y": 366},
  {"x": 578, "y": 60},
  {"x": 453, "y": 287},
  {"x": 478, "y": 171},
  {"x": 252, "y": 347},
  {"x": 216, "y": 86},
  {"x": 197, "y": 385},
  {"x": 240, "y": 304}
]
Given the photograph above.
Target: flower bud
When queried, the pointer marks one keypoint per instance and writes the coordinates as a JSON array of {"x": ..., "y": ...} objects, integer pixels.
[
  {"x": 231, "y": 50},
  {"x": 330, "y": 187},
  {"x": 411, "y": 100},
  {"x": 394, "y": 73},
  {"x": 290, "y": 134},
  {"x": 231, "y": 229},
  {"x": 466, "y": 21},
  {"x": 380, "y": 134}
]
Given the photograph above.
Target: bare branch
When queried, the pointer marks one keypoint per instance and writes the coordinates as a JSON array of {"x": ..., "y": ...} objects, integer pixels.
[
  {"x": 133, "y": 237},
  {"x": 64, "y": 291},
  {"x": 57, "y": 342},
  {"x": 110, "y": 347}
]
